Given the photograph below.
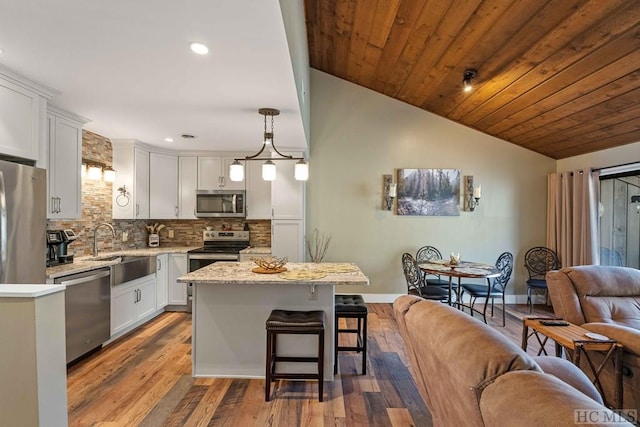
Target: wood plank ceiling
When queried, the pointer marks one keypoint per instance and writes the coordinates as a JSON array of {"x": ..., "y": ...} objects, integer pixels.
[{"x": 559, "y": 77}]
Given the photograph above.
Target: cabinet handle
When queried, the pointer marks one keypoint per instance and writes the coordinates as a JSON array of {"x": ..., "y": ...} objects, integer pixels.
[
  {"x": 137, "y": 209},
  {"x": 223, "y": 179},
  {"x": 176, "y": 212},
  {"x": 53, "y": 204},
  {"x": 159, "y": 266},
  {"x": 59, "y": 205}
]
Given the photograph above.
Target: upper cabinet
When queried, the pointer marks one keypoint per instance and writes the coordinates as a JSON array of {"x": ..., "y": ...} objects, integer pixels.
[
  {"x": 213, "y": 174},
  {"x": 23, "y": 110},
  {"x": 64, "y": 137},
  {"x": 287, "y": 194},
  {"x": 258, "y": 192},
  {"x": 163, "y": 186},
  {"x": 131, "y": 188},
  {"x": 187, "y": 185}
]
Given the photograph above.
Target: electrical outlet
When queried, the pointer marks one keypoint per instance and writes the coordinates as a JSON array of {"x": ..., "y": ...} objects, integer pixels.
[
  {"x": 125, "y": 236},
  {"x": 171, "y": 234}
]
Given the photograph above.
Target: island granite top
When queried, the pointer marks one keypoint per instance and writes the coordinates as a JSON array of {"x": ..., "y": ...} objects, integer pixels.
[{"x": 239, "y": 273}]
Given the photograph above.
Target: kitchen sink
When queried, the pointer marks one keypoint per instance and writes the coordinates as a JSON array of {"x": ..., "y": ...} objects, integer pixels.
[{"x": 129, "y": 267}]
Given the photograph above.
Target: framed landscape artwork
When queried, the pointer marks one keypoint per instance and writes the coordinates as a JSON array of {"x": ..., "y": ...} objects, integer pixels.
[{"x": 431, "y": 192}]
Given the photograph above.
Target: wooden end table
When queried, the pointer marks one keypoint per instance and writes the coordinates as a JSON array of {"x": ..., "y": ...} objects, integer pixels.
[{"x": 573, "y": 339}]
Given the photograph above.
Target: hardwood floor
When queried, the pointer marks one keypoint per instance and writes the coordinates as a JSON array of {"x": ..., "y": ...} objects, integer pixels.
[{"x": 145, "y": 379}]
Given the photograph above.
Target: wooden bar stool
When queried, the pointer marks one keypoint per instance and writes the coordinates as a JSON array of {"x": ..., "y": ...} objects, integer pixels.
[
  {"x": 351, "y": 307},
  {"x": 294, "y": 322}
]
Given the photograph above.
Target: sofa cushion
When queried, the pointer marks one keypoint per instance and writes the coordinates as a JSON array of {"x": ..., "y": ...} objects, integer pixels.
[
  {"x": 570, "y": 374},
  {"x": 628, "y": 337},
  {"x": 607, "y": 294},
  {"x": 529, "y": 398}
]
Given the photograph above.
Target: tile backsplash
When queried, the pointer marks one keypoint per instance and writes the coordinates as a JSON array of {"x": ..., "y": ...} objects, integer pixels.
[{"x": 96, "y": 208}]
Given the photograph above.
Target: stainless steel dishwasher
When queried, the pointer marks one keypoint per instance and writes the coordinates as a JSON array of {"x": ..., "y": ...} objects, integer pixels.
[{"x": 87, "y": 310}]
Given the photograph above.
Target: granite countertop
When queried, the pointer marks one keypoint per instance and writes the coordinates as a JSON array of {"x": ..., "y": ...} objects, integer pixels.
[
  {"x": 85, "y": 263},
  {"x": 28, "y": 291},
  {"x": 223, "y": 273},
  {"x": 266, "y": 250}
]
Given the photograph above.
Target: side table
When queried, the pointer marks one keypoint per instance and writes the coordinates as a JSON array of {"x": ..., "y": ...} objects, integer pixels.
[{"x": 573, "y": 338}]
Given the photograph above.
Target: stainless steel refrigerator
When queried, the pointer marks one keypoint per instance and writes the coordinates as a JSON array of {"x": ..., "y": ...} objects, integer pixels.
[{"x": 23, "y": 222}]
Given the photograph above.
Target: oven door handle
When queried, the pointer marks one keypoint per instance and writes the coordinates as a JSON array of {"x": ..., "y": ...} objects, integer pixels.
[{"x": 219, "y": 257}]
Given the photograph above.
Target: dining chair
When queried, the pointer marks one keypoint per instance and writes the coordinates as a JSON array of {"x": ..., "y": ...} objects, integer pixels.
[
  {"x": 495, "y": 289},
  {"x": 427, "y": 253},
  {"x": 538, "y": 261},
  {"x": 415, "y": 284}
]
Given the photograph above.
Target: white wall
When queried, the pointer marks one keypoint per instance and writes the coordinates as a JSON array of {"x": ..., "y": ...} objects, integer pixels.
[
  {"x": 600, "y": 159},
  {"x": 358, "y": 135}
]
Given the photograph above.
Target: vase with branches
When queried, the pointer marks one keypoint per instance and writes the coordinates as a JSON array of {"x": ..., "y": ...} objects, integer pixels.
[{"x": 317, "y": 245}]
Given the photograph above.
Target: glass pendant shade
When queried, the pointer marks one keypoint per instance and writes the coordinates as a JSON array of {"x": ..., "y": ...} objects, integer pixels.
[
  {"x": 236, "y": 171},
  {"x": 94, "y": 173},
  {"x": 109, "y": 175},
  {"x": 301, "y": 171},
  {"x": 269, "y": 171}
]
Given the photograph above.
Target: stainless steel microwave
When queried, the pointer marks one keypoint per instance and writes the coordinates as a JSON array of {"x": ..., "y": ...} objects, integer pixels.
[{"x": 220, "y": 203}]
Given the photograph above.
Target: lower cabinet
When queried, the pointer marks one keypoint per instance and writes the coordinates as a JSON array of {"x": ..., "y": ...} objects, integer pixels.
[
  {"x": 162, "y": 280},
  {"x": 177, "y": 267},
  {"x": 131, "y": 302}
]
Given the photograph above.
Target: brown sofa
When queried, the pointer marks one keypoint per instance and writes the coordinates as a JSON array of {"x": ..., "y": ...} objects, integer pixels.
[
  {"x": 605, "y": 300},
  {"x": 471, "y": 375}
]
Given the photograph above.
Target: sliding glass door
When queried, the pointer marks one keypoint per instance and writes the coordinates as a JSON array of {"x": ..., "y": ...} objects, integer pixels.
[{"x": 620, "y": 220}]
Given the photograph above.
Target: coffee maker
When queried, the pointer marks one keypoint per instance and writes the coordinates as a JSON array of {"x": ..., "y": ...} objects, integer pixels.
[{"x": 58, "y": 246}]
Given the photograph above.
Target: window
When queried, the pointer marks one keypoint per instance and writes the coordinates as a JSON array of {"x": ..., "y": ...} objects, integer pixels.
[{"x": 620, "y": 217}]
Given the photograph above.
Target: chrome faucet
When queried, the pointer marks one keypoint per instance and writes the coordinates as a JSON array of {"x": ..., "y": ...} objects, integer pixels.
[{"x": 95, "y": 240}]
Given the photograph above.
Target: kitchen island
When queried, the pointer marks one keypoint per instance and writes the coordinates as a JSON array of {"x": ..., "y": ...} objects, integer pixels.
[{"x": 231, "y": 305}]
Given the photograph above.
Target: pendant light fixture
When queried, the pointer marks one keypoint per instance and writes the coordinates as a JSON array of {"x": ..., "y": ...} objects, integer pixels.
[{"x": 236, "y": 169}]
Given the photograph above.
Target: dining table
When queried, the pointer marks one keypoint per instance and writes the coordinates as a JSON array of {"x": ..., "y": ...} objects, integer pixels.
[{"x": 460, "y": 270}]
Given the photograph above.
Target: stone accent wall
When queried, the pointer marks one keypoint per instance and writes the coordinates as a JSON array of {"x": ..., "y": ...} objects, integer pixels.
[{"x": 96, "y": 208}]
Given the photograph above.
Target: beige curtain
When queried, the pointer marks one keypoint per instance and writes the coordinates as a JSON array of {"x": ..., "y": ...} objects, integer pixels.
[{"x": 572, "y": 216}]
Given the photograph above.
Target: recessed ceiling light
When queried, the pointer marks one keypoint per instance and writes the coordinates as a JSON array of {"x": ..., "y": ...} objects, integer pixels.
[
  {"x": 199, "y": 48},
  {"x": 1, "y": 51},
  {"x": 168, "y": 140}
]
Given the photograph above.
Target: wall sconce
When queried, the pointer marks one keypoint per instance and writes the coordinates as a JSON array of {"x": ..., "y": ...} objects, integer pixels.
[
  {"x": 96, "y": 170},
  {"x": 471, "y": 194},
  {"x": 636, "y": 200},
  {"x": 389, "y": 192}
]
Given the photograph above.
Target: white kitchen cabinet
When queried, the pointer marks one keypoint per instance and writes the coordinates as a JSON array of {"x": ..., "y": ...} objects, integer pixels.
[
  {"x": 162, "y": 281},
  {"x": 23, "y": 107},
  {"x": 163, "y": 186},
  {"x": 64, "y": 141},
  {"x": 213, "y": 174},
  {"x": 258, "y": 192},
  {"x": 131, "y": 188},
  {"x": 287, "y": 194},
  {"x": 177, "y": 267},
  {"x": 131, "y": 302},
  {"x": 287, "y": 239},
  {"x": 187, "y": 186}
]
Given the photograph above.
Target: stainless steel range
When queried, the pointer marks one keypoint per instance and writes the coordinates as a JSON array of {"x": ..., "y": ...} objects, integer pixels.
[{"x": 218, "y": 246}]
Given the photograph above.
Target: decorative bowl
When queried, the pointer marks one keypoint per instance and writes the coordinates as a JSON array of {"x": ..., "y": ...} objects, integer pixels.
[{"x": 271, "y": 263}]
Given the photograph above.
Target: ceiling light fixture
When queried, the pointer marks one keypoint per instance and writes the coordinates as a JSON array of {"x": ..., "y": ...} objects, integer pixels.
[
  {"x": 468, "y": 75},
  {"x": 168, "y": 139},
  {"x": 198, "y": 48},
  {"x": 236, "y": 169}
]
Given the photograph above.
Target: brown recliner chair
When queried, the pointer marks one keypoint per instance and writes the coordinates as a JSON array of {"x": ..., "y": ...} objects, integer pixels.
[
  {"x": 471, "y": 375},
  {"x": 605, "y": 300}
]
